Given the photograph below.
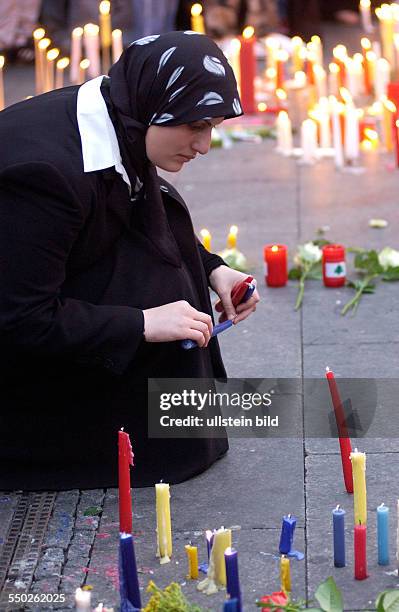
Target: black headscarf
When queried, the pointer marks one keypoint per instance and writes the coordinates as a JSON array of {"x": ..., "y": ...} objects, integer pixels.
[{"x": 168, "y": 79}]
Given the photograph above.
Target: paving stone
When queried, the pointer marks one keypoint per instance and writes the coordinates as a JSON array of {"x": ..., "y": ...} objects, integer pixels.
[{"x": 50, "y": 564}]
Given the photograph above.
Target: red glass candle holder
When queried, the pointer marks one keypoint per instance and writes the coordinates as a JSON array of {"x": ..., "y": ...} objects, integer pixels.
[
  {"x": 276, "y": 267},
  {"x": 334, "y": 266}
]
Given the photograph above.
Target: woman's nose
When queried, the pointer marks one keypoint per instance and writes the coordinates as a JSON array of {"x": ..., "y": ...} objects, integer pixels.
[{"x": 202, "y": 142}]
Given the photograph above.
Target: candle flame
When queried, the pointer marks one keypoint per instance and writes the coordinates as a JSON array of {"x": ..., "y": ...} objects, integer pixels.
[
  {"x": 333, "y": 68},
  {"x": 205, "y": 233},
  {"x": 365, "y": 4},
  {"x": 234, "y": 230},
  {"x": 2, "y": 61},
  {"x": 283, "y": 115},
  {"x": 397, "y": 124},
  {"x": 371, "y": 134},
  {"x": 248, "y": 32},
  {"x": 52, "y": 54},
  {"x": 262, "y": 107},
  {"x": 39, "y": 33},
  {"x": 340, "y": 52},
  {"x": 105, "y": 7},
  {"x": 365, "y": 43},
  {"x": 271, "y": 73},
  {"x": 63, "y": 63},
  {"x": 91, "y": 29},
  {"x": 281, "y": 94},
  {"x": 316, "y": 40},
  {"x": 345, "y": 95},
  {"x": 44, "y": 43},
  {"x": 328, "y": 369},
  {"x": 297, "y": 41},
  {"x": 275, "y": 249},
  {"x": 282, "y": 55},
  {"x": 389, "y": 105},
  {"x": 116, "y": 33},
  {"x": 77, "y": 32},
  {"x": 196, "y": 9},
  {"x": 84, "y": 64},
  {"x": 228, "y": 551},
  {"x": 337, "y": 507}
]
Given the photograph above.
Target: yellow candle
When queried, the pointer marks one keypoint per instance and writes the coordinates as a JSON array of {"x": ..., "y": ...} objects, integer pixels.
[
  {"x": 285, "y": 574},
  {"x": 164, "y": 526},
  {"x": 233, "y": 55},
  {"x": 359, "y": 487},
  {"x": 59, "y": 73},
  {"x": 297, "y": 57},
  {"x": 51, "y": 56},
  {"x": 38, "y": 34},
  {"x": 42, "y": 47},
  {"x": 232, "y": 237},
  {"x": 206, "y": 239},
  {"x": 1, "y": 82},
  {"x": 216, "y": 576},
  {"x": 197, "y": 20},
  {"x": 117, "y": 45},
  {"x": 388, "y": 109},
  {"x": 105, "y": 34},
  {"x": 83, "y": 66},
  {"x": 192, "y": 555},
  {"x": 385, "y": 17}
]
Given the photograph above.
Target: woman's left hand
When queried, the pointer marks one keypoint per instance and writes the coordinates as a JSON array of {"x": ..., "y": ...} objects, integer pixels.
[{"x": 222, "y": 280}]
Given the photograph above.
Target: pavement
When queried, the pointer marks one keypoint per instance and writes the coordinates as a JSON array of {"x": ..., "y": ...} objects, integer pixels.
[{"x": 271, "y": 199}]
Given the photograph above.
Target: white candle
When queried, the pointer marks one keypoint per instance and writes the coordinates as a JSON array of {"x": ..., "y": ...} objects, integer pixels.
[
  {"x": 320, "y": 80},
  {"x": 117, "y": 45},
  {"x": 1, "y": 82},
  {"x": 83, "y": 66},
  {"x": 91, "y": 41},
  {"x": 365, "y": 14},
  {"x": 233, "y": 56},
  {"x": 76, "y": 54},
  {"x": 324, "y": 122},
  {"x": 105, "y": 33},
  {"x": 284, "y": 133},
  {"x": 51, "y": 56},
  {"x": 42, "y": 47},
  {"x": 333, "y": 83},
  {"x": 309, "y": 141},
  {"x": 337, "y": 132},
  {"x": 316, "y": 47},
  {"x": 82, "y": 600},
  {"x": 351, "y": 133},
  {"x": 38, "y": 34},
  {"x": 59, "y": 74},
  {"x": 382, "y": 77}
]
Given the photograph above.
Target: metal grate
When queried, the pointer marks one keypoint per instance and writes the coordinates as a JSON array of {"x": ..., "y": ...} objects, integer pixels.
[{"x": 25, "y": 536}]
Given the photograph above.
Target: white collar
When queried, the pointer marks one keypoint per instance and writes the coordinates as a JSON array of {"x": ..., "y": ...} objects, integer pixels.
[{"x": 100, "y": 147}]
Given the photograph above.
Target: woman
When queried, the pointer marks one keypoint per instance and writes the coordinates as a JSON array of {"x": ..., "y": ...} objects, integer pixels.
[{"x": 101, "y": 274}]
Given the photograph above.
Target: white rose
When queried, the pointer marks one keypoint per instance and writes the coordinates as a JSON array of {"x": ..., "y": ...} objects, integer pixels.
[
  {"x": 388, "y": 258},
  {"x": 309, "y": 252}
]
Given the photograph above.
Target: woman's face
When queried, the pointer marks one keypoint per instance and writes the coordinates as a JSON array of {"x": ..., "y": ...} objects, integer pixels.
[{"x": 170, "y": 147}]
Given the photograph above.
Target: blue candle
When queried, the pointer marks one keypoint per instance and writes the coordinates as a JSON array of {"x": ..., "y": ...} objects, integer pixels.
[
  {"x": 128, "y": 579},
  {"x": 231, "y": 605},
  {"x": 383, "y": 534},
  {"x": 339, "y": 536},
  {"x": 232, "y": 579},
  {"x": 287, "y": 534}
]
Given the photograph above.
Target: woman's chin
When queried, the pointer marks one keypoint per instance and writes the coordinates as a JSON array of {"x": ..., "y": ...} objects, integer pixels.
[{"x": 171, "y": 165}]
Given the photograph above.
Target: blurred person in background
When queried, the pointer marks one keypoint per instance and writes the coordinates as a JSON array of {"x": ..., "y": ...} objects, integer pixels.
[{"x": 18, "y": 19}]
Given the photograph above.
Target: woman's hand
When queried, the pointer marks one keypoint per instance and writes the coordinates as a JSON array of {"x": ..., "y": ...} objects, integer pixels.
[
  {"x": 222, "y": 280},
  {"x": 177, "y": 321}
]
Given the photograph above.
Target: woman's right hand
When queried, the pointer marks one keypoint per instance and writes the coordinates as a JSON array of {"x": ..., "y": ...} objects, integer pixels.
[{"x": 177, "y": 321}]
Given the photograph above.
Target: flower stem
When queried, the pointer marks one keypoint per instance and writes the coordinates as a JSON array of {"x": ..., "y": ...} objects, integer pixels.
[
  {"x": 354, "y": 302},
  {"x": 301, "y": 290}
]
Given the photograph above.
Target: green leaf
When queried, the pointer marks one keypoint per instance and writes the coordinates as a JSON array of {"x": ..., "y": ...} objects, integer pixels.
[
  {"x": 357, "y": 284},
  {"x": 367, "y": 261},
  {"x": 378, "y": 602},
  {"x": 295, "y": 274},
  {"x": 316, "y": 272},
  {"x": 388, "y": 601},
  {"x": 329, "y": 596},
  {"x": 320, "y": 242},
  {"x": 93, "y": 511},
  {"x": 392, "y": 274}
]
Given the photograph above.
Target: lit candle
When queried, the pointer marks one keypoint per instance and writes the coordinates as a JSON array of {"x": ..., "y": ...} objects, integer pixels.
[
  {"x": 42, "y": 47},
  {"x": 316, "y": 47},
  {"x": 360, "y": 542},
  {"x": 206, "y": 238},
  {"x": 320, "y": 80},
  {"x": 232, "y": 237},
  {"x": 38, "y": 34},
  {"x": 76, "y": 55},
  {"x": 192, "y": 557},
  {"x": 105, "y": 34},
  {"x": 344, "y": 441},
  {"x": 382, "y": 77},
  {"x": 309, "y": 141},
  {"x": 340, "y": 54},
  {"x": 389, "y": 111},
  {"x": 209, "y": 542},
  {"x": 333, "y": 78},
  {"x": 285, "y": 574},
  {"x": 365, "y": 14},
  {"x": 125, "y": 460},
  {"x": 366, "y": 47},
  {"x": 324, "y": 123},
  {"x": 275, "y": 257},
  {"x": 247, "y": 70},
  {"x": 83, "y": 66},
  {"x": 233, "y": 56},
  {"x": 91, "y": 41},
  {"x": 371, "y": 61},
  {"x": 51, "y": 56},
  {"x": 197, "y": 19},
  {"x": 385, "y": 16},
  {"x": 82, "y": 600},
  {"x": 164, "y": 526},
  {"x": 272, "y": 45},
  {"x": 232, "y": 577},
  {"x": 359, "y": 487},
  {"x": 297, "y": 56},
  {"x": 383, "y": 534},
  {"x": 287, "y": 534},
  {"x": 351, "y": 133},
  {"x": 281, "y": 59},
  {"x": 338, "y": 515},
  {"x": 216, "y": 576},
  {"x": 2, "y": 60},
  {"x": 284, "y": 133},
  {"x": 128, "y": 577},
  {"x": 117, "y": 45},
  {"x": 59, "y": 73}
]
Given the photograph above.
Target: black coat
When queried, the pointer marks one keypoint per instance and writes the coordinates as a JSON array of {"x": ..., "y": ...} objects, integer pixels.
[{"x": 75, "y": 274}]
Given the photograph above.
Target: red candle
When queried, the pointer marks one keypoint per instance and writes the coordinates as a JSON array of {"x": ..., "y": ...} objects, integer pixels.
[
  {"x": 344, "y": 440},
  {"x": 334, "y": 267},
  {"x": 276, "y": 272},
  {"x": 125, "y": 496},
  {"x": 395, "y": 131},
  {"x": 360, "y": 552},
  {"x": 247, "y": 70}
]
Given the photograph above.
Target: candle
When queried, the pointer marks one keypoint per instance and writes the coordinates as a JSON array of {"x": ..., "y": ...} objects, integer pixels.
[
  {"x": 105, "y": 33},
  {"x": 359, "y": 487},
  {"x": 232, "y": 237},
  {"x": 365, "y": 14},
  {"x": 38, "y": 34},
  {"x": 76, "y": 54},
  {"x": 197, "y": 19},
  {"x": 125, "y": 460},
  {"x": 206, "y": 238},
  {"x": 309, "y": 141},
  {"x": 247, "y": 70},
  {"x": 340, "y": 56},
  {"x": 320, "y": 80},
  {"x": 385, "y": 16},
  {"x": 128, "y": 577},
  {"x": 337, "y": 132},
  {"x": 42, "y": 47},
  {"x": 83, "y": 66},
  {"x": 51, "y": 56},
  {"x": 2, "y": 60},
  {"x": 287, "y": 534},
  {"x": 324, "y": 123},
  {"x": 164, "y": 526},
  {"x": 338, "y": 515},
  {"x": 360, "y": 552},
  {"x": 285, "y": 574},
  {"x": 366, "y": 48},
  {"x": 382, "y": 77},
  {"x": 334, "y": 266},
  {"x": 82, "y": 600},
  {"x": 59, "y": 73},
  {"x": 383, "y": 534},
  {"x": 333, "y": 78},
  {"x": 233, "y": 56},
  {"x": 316, "y": 47},
  {"x": 209, "y": 542},
  {"x": 281, "y": 59},
  {"x": 192, "y": 557},
  {"x": 284, "y": 133},
  {"x": 231, "y": 605},
  {"x": 344, "y": 441},
  {"x": 297, "y": 56},
  {"x": 216, "y": 576},
  {"x": 117, "y": 45},
  {"x": 275, "y": 257},
  {"x": 92, "y": 47},
  {"x": 351, "y": 133},
  {"x": 272, "y": 45},
  {"x": 232, "y": 577}
]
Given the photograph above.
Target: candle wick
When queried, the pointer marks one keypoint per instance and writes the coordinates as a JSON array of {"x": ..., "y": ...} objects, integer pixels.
[
  {"x": 289, "y": 516},
  {"x": 122, "y": 428},
  {"x": 338, "y": 507},
  {"x": 381, "y": 505},
  {"x": 327, "y": 369}
]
